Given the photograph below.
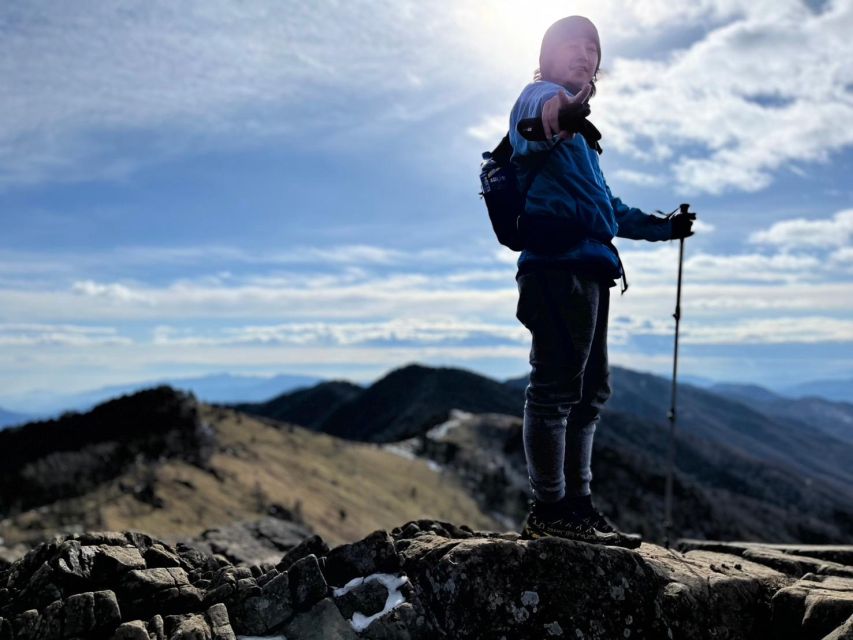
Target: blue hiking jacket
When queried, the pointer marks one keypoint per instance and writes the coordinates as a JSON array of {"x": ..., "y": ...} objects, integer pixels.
[{"x": 570, "y": 184}]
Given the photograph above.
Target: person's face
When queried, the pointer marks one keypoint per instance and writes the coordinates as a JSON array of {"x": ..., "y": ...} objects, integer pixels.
[{"x": 573, "y": 62}]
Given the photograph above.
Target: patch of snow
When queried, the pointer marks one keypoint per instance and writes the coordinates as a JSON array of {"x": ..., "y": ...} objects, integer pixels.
[
  {"x": 457, "y": 417},
  {"x": 393, "y": 583},
  {"x": 432, "y": 464},
  {"x": 404, "y": 451}
]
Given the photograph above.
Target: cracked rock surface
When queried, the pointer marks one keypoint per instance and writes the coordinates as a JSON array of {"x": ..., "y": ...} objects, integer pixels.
[{"x": 425, "y": 579}]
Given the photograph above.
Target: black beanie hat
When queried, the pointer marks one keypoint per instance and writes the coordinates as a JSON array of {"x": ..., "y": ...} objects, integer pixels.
[{"x": 564, "y": 29}]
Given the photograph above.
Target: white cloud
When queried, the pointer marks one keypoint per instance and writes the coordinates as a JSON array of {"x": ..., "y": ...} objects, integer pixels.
[
  {"x": 658, "y": 264},
  {"x": 79, "y": 77},
  {"x": 369, "y": 282},
  {"x": 704, "y": 96},
  {"x": 38, "y": 334},
  {"x": 219, "y": 74},
  {"x": 809, "y": 329},
  {"x": 489, "y": 130},
  {"x": 428, "y": 330},
  {"x": 379, "y": 313},
  {"x": 842, "y": 257},
  {"x": 640, "y": 178},
  {"x": 112, "y": 291},
  {"x": 33, "y": 264},
  {"x": 802, "y": 233},
  {"x": 780, "y": 330}
]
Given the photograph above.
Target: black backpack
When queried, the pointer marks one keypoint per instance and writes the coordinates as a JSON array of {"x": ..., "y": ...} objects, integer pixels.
[{"x": 505, "y": 203}]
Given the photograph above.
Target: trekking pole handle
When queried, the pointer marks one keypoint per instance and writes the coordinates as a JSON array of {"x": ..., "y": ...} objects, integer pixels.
[{"x": 570, "y": 119}]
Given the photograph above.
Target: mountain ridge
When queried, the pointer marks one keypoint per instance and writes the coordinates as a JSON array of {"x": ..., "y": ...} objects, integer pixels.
[{"x": 721, "y": 491}]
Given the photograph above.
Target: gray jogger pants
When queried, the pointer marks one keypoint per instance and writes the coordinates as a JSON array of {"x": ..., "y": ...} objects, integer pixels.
[{"x": 566, "y": 313}]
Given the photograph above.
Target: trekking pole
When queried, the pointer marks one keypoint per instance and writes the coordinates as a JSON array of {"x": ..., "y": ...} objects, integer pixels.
[{"x": 667, "y": 525}]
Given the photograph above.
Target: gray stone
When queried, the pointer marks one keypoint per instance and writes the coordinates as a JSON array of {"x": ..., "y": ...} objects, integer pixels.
[
  {"x": 40, "y": 589},
  {"x": 403, "y": 622},
  {"x": 322, "y": 622},
  {"x": 187, "y": 627},
  {"x": 79, "y": 614},
  {"x": 218, "y": 594},
  {"x": 101, "y": 537},
  {"x": 26, "y": 625},
  {"x": 50, "y": 625},
  {"x": 107, "y": 612},
  {"x": 156, "y": 630},
  {"x": 247, "y": 588},
  {"x": 311, "y": 545},
  {"x": 114, "y": 560},
  {"x": 812, "y": 607},
  {"x": 145, "y": 582},
  {"x": 226, "y": 574},
  {"x": 374, "y": 554},
  {"x": 792, "y": 564},
  {"x": 242, "y": 571},
  {"x": 251, "y": 616},
  {"x": 220, "y": 624},
  {"x": 308, "y": 585},
  {"x": 476, "y": 584},
  {"x": 844, "y": 632},
  {"x": 249, "y": 543},
  {"x": 839, "y": 553},
  {"x": 195, "y": 556},
  {"x": 277, "y": 591},
  {"x": 133, "y": 630},
  {"x": 183, "y": 599},
  {"x": 158, "y": 556},
  {"x": 70, "y": 562},
  {"x": 218, "y": 615},
  {"x": 266, "y": 577}
]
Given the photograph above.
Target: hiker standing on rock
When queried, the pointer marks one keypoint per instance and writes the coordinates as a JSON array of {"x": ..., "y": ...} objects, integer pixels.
[{"x": 564, "y": 278}]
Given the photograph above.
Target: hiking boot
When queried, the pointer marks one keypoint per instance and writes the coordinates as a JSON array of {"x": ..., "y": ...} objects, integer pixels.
[
  {"x": 597, "y": 521},
  {"x": 547, "y": 519},
  {"x": 560, "y": 520}
]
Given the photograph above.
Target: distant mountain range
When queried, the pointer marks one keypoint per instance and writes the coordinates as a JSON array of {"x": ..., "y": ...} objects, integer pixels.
[
  {"x": 744, "y": 461},
  {"x": 403, "y": 403},
  {"x": 8, "y": 418},
  {"x": 226, "y": 388},
  {"x": 223, "y": 387},
  {"x": 744, "y": 470},
  {"x": 157, "y": 458},
  {"x": 840, "y": 390},
  {"x": 832, "y": 417}
]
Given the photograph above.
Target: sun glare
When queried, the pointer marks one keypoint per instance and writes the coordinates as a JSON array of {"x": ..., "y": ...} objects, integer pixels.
[{"x": 507, "y": 34}]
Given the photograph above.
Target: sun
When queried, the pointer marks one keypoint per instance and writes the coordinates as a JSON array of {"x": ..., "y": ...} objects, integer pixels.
[{"x": 507, "y": 34}]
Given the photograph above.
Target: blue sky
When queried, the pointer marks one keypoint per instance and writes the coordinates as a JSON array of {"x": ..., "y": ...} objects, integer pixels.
[{"x": 281, "y": 187}]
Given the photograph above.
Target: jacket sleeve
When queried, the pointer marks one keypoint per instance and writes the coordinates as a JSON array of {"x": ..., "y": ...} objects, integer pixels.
[
  {"x": 529, "y": 105},
  {"x": 636, "y": 225}
]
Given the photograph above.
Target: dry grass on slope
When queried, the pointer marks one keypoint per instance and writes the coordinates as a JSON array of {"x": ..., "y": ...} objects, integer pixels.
[{"x": 343, "y": 489}]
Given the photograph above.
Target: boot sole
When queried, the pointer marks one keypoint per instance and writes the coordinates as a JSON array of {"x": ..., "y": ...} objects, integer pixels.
[{"x": 626, "y": 541}]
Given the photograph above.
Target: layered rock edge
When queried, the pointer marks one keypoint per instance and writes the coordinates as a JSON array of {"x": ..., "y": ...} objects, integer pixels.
[{"x": 426, "y": 579}]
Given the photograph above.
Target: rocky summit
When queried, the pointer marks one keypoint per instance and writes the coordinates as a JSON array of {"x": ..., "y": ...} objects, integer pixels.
[{"x": 426, "y": 579}]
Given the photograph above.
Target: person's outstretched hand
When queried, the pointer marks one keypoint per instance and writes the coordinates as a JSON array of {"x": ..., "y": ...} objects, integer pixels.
[
  {"x": 552, "y": 107},
  {"x": 682, "y": 225}
]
